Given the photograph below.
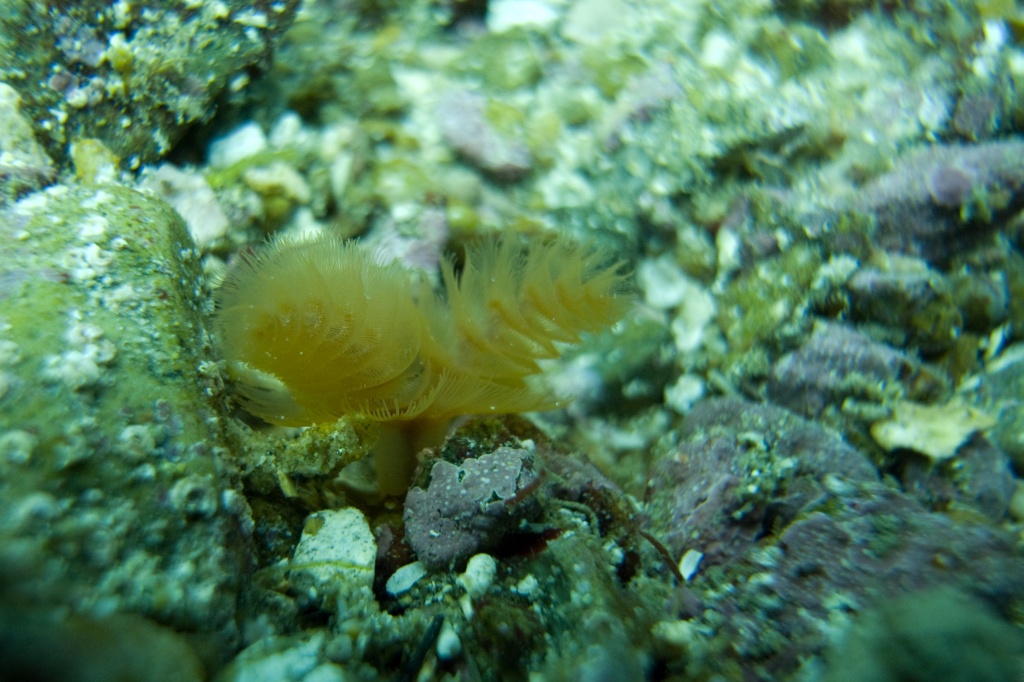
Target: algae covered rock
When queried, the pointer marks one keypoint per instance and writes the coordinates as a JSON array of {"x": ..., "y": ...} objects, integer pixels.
[
  {"x": 727, "y": 484},
  {"x": 131, "y": 74},
  {"x": 838, "y": 362},
  {"x": 24, "y": 166},
  {"x": 942, "y": 199},
  {"x": 797, "y": 533},
  {"x": 932, "y": 634},
  {"x": 112, "y": 494},
  {"x": 49, "y": 645}
]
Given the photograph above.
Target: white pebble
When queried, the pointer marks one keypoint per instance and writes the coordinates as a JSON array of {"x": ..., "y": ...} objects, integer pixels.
[
  {"x": 479, "y": 576},
  {"x": 402, "y": 580}
]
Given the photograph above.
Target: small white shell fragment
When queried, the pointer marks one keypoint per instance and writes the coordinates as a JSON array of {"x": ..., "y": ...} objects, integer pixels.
[
  {"x": 663, "y": 282},
  {"x": 243, "y": 142},
  {"x": 402, "y": 580},
  {"x": 449, "y": 646},
  {"x": 280, "y": 180},
  {"x": 479, "y": 575},
  {"x": 689, "y": 563},
  {"x": 686, "y": 391},
  {"x": 191, "y": 196},
  {"x": 527, "y": 587}
]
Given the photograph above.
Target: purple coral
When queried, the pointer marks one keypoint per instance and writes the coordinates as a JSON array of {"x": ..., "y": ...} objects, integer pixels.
[
  {"x": 981, "y": 478},
  {"x": 796, "y": 523},
  {"x": 740, "y": 469},
  {"x": 466, "y": 509},
  {"x": 838, "y": 362},
  {"x": 940, "y": 199}
]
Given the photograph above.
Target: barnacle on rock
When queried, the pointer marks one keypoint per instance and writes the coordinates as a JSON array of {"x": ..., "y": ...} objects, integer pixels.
[{"x": 315, "y": 329}]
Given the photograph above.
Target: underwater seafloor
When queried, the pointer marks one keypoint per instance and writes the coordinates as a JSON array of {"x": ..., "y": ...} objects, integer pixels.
[{"x": 796, "y": 457}]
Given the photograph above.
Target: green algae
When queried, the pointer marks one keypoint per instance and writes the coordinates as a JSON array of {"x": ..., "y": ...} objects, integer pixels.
[
  {"x": 110, "y": 392},
  {"x": 757, "y": 305},
  {"x": 131, "y": 74},
  {"x": 924, "y": 634},
  {"x": 504, "y": 61}
]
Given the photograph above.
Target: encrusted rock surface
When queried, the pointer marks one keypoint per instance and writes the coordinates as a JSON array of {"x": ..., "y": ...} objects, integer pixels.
[
  {"x": 115, "y": 497},
  {"x": 132, "y": 74}
]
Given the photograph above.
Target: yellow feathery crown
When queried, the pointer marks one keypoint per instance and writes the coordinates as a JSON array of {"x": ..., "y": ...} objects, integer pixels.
[{"x": 315, "y": 329}]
